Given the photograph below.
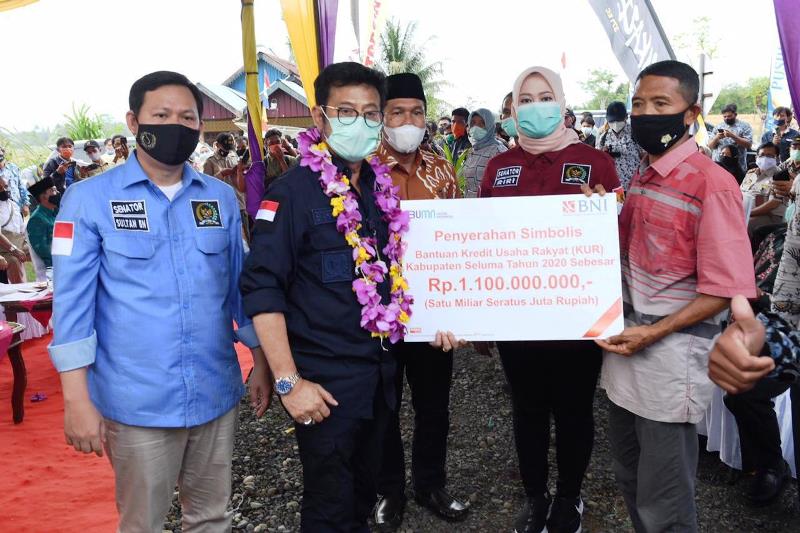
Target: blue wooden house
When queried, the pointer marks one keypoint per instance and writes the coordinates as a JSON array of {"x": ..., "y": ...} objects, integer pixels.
[{"x": 283, "y": 97}]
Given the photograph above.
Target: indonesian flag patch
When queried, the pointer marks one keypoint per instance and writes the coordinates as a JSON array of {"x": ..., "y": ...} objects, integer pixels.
[
  {"x": 267, "y": 210},
  {"x": 63, "y": 234}
]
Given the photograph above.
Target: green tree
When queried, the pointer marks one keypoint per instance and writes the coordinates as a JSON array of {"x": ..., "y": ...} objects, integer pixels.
[
  {"x": 750, "y": 97},
  {"x": 80, "y": 125},
  {"x": 603, "y": 87},
  {"x": 400, "y": 52},
  {"x": 698, "y": 40}
]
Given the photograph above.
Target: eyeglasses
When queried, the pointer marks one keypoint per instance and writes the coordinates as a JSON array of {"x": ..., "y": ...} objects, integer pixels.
[{"x": 348, "y": 116}]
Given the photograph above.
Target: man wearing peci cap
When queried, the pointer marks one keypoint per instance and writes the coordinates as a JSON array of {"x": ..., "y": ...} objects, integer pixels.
[
  {"x": 43, "y": 218},
  {"x": 98, "y": 164},
  {"x": 420, "y": 175}
]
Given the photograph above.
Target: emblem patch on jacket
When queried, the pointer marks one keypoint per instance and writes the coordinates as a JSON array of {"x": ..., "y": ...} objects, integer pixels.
[
  {"x": 206, "y": 213},
  {"x": 576, "y": 174}
]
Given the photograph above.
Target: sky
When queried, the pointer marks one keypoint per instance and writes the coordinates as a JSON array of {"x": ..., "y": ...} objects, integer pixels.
[{"x": 57, "y": 53}]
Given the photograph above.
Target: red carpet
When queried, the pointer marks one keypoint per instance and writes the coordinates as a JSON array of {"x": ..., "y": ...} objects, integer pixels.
[{"x": 44, "y": 484}]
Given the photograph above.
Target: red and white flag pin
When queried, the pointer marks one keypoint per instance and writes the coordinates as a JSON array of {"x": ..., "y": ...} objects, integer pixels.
[
  {"x": 63, "y": 235},
  {"x": 267, "y": 210}
]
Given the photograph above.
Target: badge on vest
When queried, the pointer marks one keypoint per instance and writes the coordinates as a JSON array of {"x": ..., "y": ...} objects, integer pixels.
[
  {"x": 130, "y": 215},
  {"x": 206, "y": 213},
  {"x": 576, "y": 174},
  {"x": 507, "y": 177}
]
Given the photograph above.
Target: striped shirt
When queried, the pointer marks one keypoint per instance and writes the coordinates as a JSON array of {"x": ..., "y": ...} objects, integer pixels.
[{"x": 681, "y": 233}]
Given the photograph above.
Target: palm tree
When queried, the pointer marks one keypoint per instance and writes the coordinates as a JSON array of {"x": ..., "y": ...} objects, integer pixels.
[{"x": 400, "y": 53}]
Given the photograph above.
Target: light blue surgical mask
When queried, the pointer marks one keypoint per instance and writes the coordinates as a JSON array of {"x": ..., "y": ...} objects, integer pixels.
[
  {"x": 510, "y": 127},
  {"x": 353, "y": 142},
  {"x": 539, "y": 119},
  {"x": 477, "y": 134}
]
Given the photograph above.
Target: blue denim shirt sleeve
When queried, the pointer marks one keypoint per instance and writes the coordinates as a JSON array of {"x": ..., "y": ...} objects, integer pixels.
[
  {"x": 245, "y": 333},
  {"x": 75, "y": 282}
]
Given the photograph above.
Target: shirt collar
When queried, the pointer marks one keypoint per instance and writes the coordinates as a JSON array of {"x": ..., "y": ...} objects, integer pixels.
[
  {"x": 389, "y": 160},
  {"x": 132, "y": 173},
  {"x": 672, "y": 159}
]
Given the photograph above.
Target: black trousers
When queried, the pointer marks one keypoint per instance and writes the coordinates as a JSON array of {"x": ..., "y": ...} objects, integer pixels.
[
  {"x": 429, "y": 372},
  {"x": 341, "y": 458},
  {"x": 558, "y": 379},
  {"x": 759, "y": 433}
]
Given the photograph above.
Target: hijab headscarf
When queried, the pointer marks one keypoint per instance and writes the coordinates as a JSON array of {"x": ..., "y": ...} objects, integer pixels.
[
  {"x": 561, "y": 137},
  {"x": 488, "y": 119}
]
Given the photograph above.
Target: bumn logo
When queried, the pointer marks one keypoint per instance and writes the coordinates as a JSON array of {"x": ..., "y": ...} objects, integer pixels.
[{"x": 422, "y": 213}]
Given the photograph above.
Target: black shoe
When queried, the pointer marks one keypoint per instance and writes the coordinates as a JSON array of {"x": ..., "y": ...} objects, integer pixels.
[
  {"x": 533, "y": 518},
  {"x": 768, "y": 485},
  {"x": 441, "y": 503},
  {"x": 388, "y": 513},
  {"x": 565, "y": 515}
]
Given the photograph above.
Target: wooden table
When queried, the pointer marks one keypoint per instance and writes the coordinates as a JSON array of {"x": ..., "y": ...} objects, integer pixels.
[{"x": 15, "y": 354}]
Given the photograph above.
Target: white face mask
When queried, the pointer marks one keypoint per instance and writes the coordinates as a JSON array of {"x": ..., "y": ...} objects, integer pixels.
[
  {"x": 405, "y": 139},
  {"x": 617, "y": 126},
  {"x": 94, "y": 156},
  {"x": 586, "y": 130},
  {"x": 766, "y": 163}
]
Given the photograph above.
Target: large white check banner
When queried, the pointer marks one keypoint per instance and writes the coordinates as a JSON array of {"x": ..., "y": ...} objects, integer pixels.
[{"x": 522, "y": 268}]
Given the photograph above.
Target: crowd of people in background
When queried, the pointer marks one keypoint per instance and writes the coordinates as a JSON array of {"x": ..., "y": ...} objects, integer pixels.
[{"x": 686, "y": 236}]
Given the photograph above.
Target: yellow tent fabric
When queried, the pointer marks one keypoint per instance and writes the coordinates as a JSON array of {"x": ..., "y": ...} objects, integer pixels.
[
  {"x": 251, "y": 70},
  {"x": 13, "y": 4},
  {"x": 301, "y": 21}
]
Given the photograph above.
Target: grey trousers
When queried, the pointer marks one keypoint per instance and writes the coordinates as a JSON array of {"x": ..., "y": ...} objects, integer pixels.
[
  {"x": 655, "y": 464},
  {"x": 148, "y": 462}
]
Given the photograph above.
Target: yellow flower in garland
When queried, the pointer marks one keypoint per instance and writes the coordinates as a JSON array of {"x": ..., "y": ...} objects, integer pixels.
[
  {"x": 404, "y": 318},
  {"x": 363, "y": 255},
  {"x": 352, "y": 239},
  {"x": 398, "y": 280},
  {"x": 338, "y": 205}
]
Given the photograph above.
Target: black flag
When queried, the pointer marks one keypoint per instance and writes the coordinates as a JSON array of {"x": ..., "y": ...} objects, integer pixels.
[{"x": 636, "y": 36}]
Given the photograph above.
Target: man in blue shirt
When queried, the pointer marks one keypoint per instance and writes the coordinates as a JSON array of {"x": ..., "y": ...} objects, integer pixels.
[
  {"x": 146, "y": 260},
  {"x": 10, "y": 173}
]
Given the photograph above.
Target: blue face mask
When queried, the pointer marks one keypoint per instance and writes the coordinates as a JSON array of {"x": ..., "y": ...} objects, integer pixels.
[
  {"x": 477, "y": 134},
  {"x": 510, "y": 127},
  {"x": 353, "y": 142},
  {"x": 539, "y": 119}
]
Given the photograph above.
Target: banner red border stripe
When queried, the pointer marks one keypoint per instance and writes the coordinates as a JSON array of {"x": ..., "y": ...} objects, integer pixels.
[{"x": 606, "y": 320}]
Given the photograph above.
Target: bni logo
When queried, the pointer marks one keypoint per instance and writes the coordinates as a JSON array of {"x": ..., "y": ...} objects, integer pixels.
[{"x": 585, "y": 206}]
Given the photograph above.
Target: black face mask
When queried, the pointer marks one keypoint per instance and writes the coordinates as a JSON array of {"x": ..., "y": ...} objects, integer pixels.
[
  {"x": 657, "y": 133},
  {"x": 730, "y": 161},
  {"x": 55, "y": 199},
  {"x": 2, "y": 157},
  {"x": 730, "y": 121},
  {"x": 171, "y": 144},
  {"x": 4, "y": 196}
]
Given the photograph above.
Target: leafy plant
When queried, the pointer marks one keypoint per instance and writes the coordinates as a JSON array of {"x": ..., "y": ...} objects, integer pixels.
[
  {"x": 80, "y": 125},
  {"x": 399, "y": 52},
  {"x": 458, "y": 165},
  {"x": 21, "y": 152}
]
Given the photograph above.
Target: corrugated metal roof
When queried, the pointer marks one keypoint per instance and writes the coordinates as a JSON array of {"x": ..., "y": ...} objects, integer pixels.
[
  {"x": 283, "y": 65},
  {"x": 230, "y": 99},
  {"x": 292, "y": 89}
]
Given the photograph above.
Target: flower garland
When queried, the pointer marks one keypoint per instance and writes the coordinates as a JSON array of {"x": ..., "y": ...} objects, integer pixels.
[{"x": 383, "y": 321}]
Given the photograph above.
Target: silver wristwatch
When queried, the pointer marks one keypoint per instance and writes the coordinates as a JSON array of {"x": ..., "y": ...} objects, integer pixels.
[{"x": 284, "y": 385}]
